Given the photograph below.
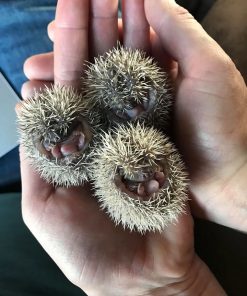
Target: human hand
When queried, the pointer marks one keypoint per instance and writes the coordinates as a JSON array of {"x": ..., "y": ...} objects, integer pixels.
[
  {"x": 210, "y": 121},
  {"x": 93, "y": 253}
]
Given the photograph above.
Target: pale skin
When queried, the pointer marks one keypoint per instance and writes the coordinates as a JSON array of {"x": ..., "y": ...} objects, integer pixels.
[{"x": 210, "y": 130}]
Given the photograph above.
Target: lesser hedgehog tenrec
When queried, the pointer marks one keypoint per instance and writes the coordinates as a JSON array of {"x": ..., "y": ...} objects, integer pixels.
[
  {"x": 58, "y": 130},
  {"x": 139, "y": 178},
  {"x": 129, "y": 86}
]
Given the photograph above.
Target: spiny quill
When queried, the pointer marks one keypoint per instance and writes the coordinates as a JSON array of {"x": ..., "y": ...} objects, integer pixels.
[
  {"x": 129, "y": 86},
  {"x": 58, "y": 129},
  {"x": 139, "y": 178}
]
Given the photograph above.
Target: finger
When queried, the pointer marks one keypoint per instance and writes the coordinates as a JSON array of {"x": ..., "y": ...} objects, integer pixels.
[
  {"x": 181, "y": 35},
  {"x": 70, "y": 41},
  {"x": 40, "y": 67},
  {"x": 104, "y": 26},
  {"x": 135, "y": 25},
  {"x": 163, "y": 59},
  {"x": 120, "y": 30},
  {"x": 51, "y": 29},
  {"x": 30, "y": 87}
]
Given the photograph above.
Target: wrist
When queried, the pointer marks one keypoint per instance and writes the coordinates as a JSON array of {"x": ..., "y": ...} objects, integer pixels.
[{"x": 199, "y": 280}]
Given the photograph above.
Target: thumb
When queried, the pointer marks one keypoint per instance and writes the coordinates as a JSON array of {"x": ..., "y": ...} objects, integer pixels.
[{"x": 181, "y": 35}]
